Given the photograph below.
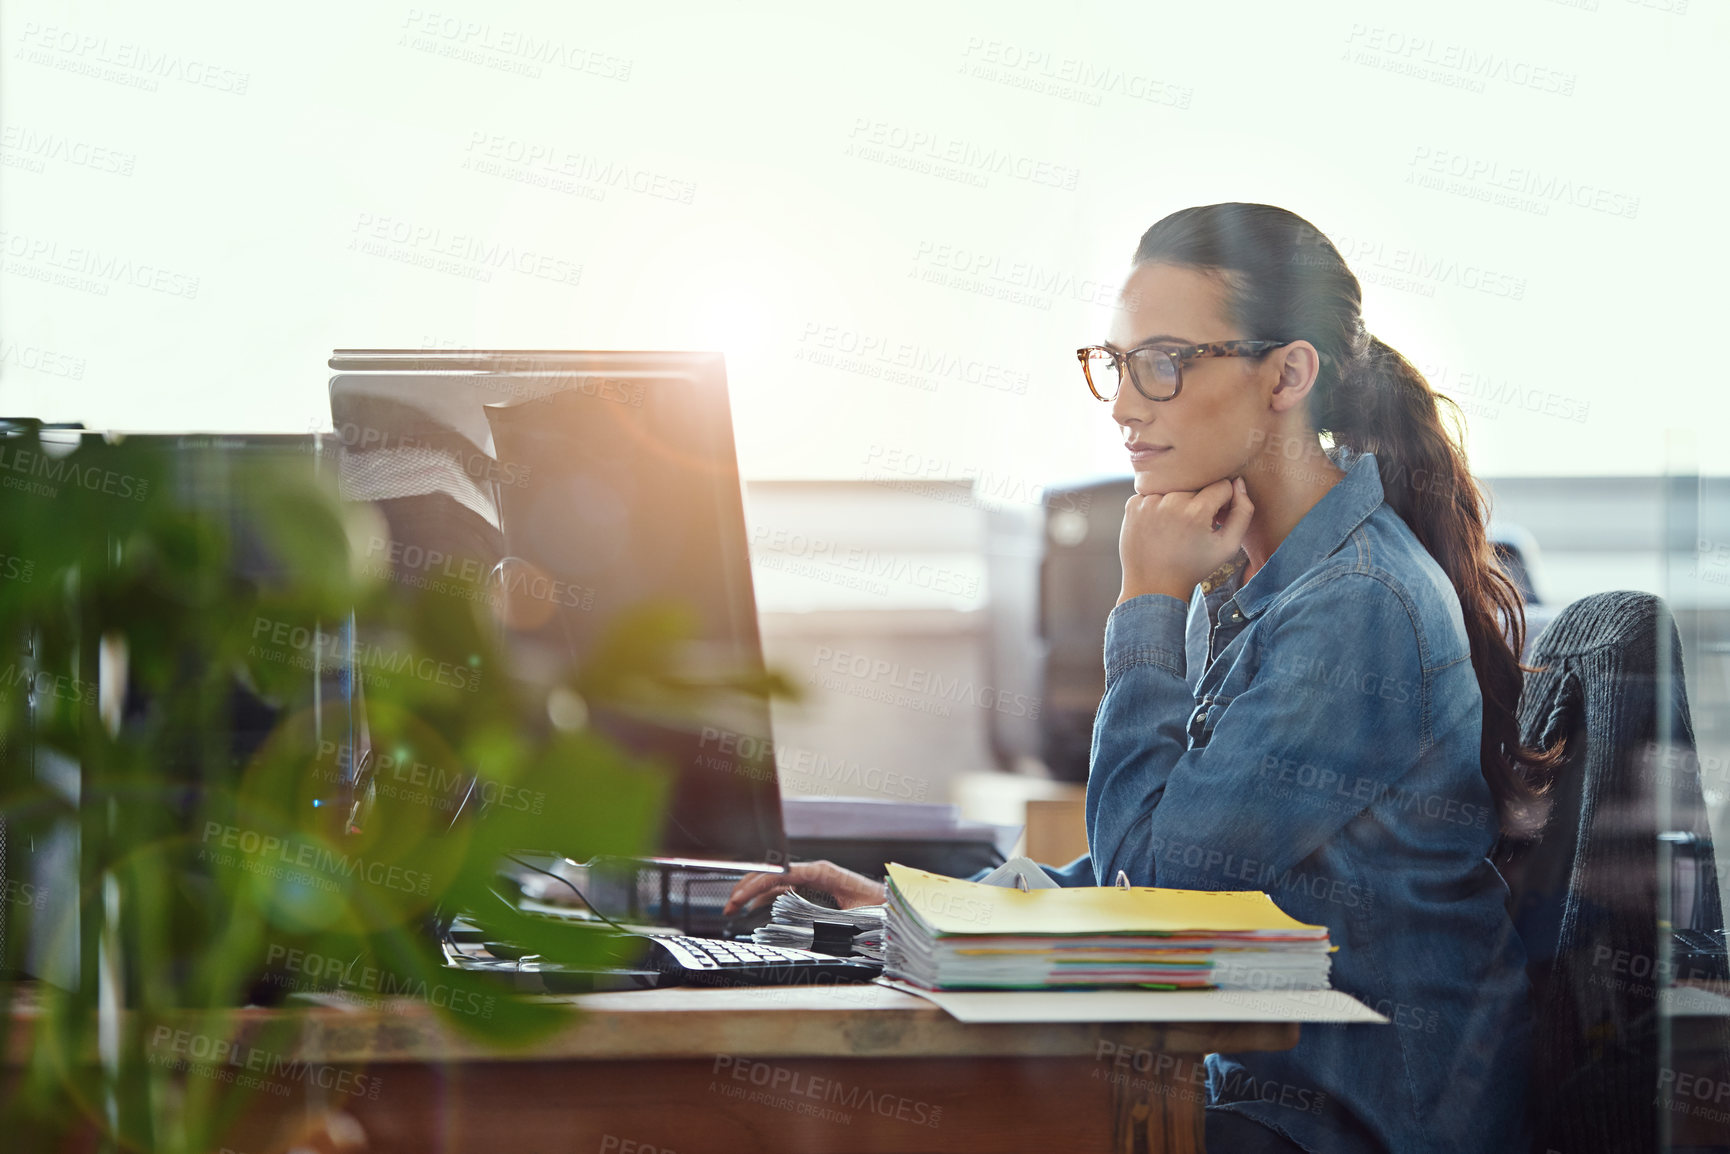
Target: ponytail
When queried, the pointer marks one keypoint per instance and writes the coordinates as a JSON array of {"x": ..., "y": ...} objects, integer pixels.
[
  {"x": 1381, "y": 404},
  {"x": 1285, "y": 280}
]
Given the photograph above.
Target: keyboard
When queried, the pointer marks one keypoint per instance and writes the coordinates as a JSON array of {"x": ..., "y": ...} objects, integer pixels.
[
  {"x": 717, "y": 962},
  {"x": 647, "y": 961}
]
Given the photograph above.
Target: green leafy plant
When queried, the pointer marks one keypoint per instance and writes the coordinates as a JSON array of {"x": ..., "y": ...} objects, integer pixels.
[{"x": 207, "y": 882}]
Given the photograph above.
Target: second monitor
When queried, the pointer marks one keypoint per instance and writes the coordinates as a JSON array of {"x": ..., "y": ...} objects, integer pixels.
[{"x": 576, "y": 486}]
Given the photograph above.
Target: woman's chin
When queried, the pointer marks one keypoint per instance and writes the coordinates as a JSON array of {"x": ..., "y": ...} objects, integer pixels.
[
  {"x": 1163, "y": 478},
  {"x": 1154, "y": 483}
]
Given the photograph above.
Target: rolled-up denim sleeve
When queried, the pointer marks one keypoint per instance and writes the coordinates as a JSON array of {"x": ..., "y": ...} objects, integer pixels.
[{"x": 1333, "y": 716}]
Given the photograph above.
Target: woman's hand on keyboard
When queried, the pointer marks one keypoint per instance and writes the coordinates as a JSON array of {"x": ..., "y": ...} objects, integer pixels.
[{"x": 850, "y": 889}]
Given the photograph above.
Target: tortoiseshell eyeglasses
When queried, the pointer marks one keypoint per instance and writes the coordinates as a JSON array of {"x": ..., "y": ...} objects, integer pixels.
[{"x": 1156, "y": 371}]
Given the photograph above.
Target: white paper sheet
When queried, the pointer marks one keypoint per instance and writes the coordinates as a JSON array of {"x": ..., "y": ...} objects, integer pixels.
[
  {"x": 1146, "y": 1005},
  {"x": 1026, "y": 871}
]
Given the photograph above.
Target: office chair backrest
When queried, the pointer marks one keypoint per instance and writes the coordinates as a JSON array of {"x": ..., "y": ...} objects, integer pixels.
[{"x": 1583, "y": 891}]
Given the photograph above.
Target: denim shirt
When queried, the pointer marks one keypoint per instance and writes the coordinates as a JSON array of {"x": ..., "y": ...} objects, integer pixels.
[{"x": 1314, "y": 733}]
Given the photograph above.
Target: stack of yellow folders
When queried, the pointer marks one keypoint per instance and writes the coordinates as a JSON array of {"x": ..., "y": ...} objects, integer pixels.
[{"x": 948, "y": 934}]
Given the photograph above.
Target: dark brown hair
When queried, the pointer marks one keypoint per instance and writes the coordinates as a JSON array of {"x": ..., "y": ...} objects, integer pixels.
[{"x": 1286, "y": 281}]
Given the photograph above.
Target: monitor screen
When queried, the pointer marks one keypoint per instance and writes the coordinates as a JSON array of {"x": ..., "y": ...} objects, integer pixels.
[{"x": 576, "y": 487}]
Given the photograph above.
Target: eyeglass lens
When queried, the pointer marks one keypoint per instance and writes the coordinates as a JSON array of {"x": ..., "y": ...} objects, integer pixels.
[{"x": 1155, "y": 369}]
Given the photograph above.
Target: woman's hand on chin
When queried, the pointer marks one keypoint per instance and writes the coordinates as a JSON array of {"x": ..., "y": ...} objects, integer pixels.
[{"x": 1170, "y": 541}]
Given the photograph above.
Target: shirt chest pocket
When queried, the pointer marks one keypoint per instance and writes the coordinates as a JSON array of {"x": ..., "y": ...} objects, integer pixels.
[{"x": 1208, "y": 710}]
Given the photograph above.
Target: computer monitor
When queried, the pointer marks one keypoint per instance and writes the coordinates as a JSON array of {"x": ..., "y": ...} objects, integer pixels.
[{"x": 576, "y": 486}]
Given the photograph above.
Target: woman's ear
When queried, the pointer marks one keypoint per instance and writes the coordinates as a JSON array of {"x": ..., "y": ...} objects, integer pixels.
[{"x": 1296, "y": 365}]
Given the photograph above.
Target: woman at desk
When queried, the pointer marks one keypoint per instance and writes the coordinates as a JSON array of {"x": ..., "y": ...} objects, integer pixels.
[{"x": 1311, "y": 682}]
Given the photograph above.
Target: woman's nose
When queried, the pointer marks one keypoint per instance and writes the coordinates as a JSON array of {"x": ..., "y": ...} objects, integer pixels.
[{"x": 1130, "y": 407}]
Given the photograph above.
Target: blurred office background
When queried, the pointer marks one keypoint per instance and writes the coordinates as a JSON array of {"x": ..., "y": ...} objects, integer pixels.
[{"x": 897, "y": 225}]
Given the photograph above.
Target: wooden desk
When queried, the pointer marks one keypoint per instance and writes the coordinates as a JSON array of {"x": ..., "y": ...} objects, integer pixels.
[{"x": 694, "y": 1071}]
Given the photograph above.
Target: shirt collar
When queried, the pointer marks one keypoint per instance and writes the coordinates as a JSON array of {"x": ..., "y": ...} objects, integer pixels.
[{"x": 1318, "y": 535}]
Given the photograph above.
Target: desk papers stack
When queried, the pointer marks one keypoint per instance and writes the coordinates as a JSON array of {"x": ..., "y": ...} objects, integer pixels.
[
  {"x": 948, "y": 934},
  {"x": 796, "y": 920}
]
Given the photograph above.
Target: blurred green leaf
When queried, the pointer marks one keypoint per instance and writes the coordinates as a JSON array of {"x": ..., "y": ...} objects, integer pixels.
[{"x": 223, "y": 882}]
